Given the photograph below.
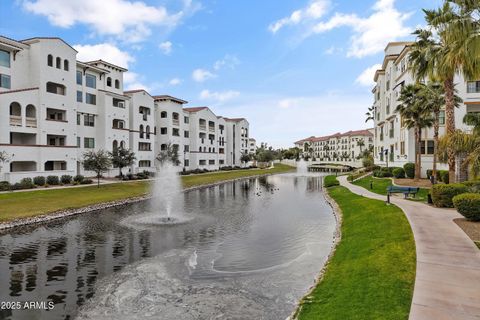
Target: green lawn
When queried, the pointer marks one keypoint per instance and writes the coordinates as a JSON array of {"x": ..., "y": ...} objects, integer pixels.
[
  {"x": 380, "y": 186},
  {"x": 372, "y": 273},
  {"x": 26, "y": 204}
]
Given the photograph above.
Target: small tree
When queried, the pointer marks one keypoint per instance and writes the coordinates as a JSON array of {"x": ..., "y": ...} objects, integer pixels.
[
  {"x": 122, "y": 158},
  {"x": 169, "y": 154},
  {"x": 98, "y": 162},
  {"x": 4, "y": 158},
  {"x": 245, "y": 157}
]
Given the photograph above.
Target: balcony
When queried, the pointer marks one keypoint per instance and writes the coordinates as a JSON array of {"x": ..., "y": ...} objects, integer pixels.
[
  {"x": 16, "y": 121},
  {"x": 175, "y": 122},
  {"x": 211, "y": 129},
  {"x": 31, "y": 122},
  {"x": 203, "y": 128}
]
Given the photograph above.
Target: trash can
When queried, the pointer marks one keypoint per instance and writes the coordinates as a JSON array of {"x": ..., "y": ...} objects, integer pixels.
[{"x": 429, "y": 198}]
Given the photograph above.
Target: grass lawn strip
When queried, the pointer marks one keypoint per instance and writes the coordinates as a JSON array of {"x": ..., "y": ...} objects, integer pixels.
[
  {"x": 372, "y": 272},
  {"x": 380, "y": 186}
]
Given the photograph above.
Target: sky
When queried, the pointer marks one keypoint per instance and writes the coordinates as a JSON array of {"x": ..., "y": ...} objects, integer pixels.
[{"x": 293, "y": 68}]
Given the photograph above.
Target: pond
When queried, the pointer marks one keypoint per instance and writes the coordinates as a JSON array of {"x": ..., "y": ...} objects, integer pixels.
[{"x": 249, "y": 249}]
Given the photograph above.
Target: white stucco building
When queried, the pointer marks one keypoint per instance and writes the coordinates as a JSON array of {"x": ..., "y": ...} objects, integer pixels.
[
  {"x": 339, "y": 147},
  {"x": 54, "y": 108},
  {"x": 393, "y": 143}
]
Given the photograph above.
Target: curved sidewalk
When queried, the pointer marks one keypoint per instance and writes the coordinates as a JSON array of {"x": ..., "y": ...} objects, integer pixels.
[{"x": 447, "y": 282}]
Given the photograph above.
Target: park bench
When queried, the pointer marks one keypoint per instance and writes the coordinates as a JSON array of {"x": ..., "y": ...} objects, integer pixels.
[{"x": 405, "y": 190}]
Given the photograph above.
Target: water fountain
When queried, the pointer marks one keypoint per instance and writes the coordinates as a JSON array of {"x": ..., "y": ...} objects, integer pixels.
[{"x": 302, "y": 167}]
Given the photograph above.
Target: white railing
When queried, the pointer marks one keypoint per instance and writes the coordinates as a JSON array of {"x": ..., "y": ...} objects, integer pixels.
[
  {"x": 211, "y": 129},
  {"x": 16, "y": 121},
  {"x": 31, "y": 122},
  {"x": 203, "y": 128},
  {"x": 176, "y": 122}
]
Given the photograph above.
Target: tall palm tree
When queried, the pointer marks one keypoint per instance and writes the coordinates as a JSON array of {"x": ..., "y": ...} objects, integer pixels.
[
  {"x": 361, "y": 144},
  {"x": 449, "y": 45},
  {"x": 370, "y": 114},
  {"x": 466, "y": 146},
  {"x": 414, "y": 114}
]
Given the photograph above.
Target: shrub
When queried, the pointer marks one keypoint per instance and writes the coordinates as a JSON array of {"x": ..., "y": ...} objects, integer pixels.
[
  {"x": 27, "y": 183},
  {"x": 367, "y": 162},
  {"x": 66, "y": 179},
  {"x": 444, "y": 177},
  {"x": 468, "y": 205},
  {"x": 39, "y": 181},
  {"x": 142, "y": 175},
  {"x": 398, "y": 173},
  {"x": 330, "y": 181},
  {"x": 443, "y": 194},
  {"x": 86, "y": 181},
  {"x": 53, "y": 180},
  {"x": 5, "y": 186},
  {"x": 473, "y": 186},
  {"x": 409, "y": 170},
  {"x": 78, "y": 178},
  {"x": 16, "y": 186},
  {"x": 383, "y": 172}
]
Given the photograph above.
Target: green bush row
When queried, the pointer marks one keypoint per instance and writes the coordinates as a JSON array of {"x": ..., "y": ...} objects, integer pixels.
[
  {"x": 330, "y": 181},
  {"x": 468, "y": 205},
  {"x": 29, "y": 183}
]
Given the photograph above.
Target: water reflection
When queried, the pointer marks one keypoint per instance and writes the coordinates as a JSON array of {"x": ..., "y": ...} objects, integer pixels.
[{"x": 278, "y": 224}]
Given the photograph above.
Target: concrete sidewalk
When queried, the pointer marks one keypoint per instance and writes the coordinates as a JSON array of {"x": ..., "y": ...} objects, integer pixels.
[{"x": 447, "y": 283}]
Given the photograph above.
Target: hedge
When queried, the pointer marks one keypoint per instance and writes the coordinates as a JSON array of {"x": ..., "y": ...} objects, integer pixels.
[
  {"x": 39, "y": 180},
  {"x": 398, "y": 173},
  {"x": 473, "y": 186},
  {"x": 442, "y": 194},
  {"x": 409, "y": 170},
  {"x": 53, "y": 180},
  {"x": 66, "y": 179},
  {"x": 330, "y": 181},
  {"x": 468, "y": 205}
]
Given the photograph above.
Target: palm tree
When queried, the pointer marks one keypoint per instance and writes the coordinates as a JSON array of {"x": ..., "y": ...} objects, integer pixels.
[
  {"x": 361, "y": 144},
  {"x": 464, "y": 145},
  {"x": 449, "y": 45},
  {"x": 416, "y": 115},
  {"x": 370, "y": 114}
]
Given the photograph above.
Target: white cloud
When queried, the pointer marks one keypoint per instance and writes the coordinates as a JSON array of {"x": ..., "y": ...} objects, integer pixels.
[
  {"x": 315, "y": 10},
  {"x": 219, "y": 96},
  {"x": 126, "y": 20},
  {"x": 175, "y": 82},
  {"x": 166, "y": 47},
  {"x": 201, "y": 75},
  {"x": 229, "y": 61},
  {"x": 104, "y": 51},
  {"x": 370, "y": 34},
  {"x": 366, "y": 77},
  {"x": 133, "y": 81}
]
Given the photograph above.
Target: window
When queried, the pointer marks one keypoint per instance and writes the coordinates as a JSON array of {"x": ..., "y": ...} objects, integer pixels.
[
  {"x": 79, "y": 143},
  {"x": 65, "y": 65},
  {"x": 58, "y": 63},
  {"x": 221, "y": 161},
  {"x": 79, "y": 96},
  {"x": 163, "y": 114},
  {"x": 5, "y": 81},
  {"x": 186, "y": 134},
  {"x": 50, "y": 60},
  {"x": 473, "y": 86},
  {"x": 78, "y": 118},
  {"x": 163, "y": 130},
  {"x": 144, "y": 163},
  {"x": 90, "y": 98},
  {"x": 144, "y": 146},
  {"x": 202, "y": 162},
  {"x": 186, "y": 148},
  {"x": 147, "y": 130},
  {"x": 186, "y": 163},
  {"x": 89, "y": 120},
  {"x": 176, "y": 132},
  {"x": 117, "y": 84},
  {"x": 89, "y": 143},
  {"x": 441, "y": 118},
  {"x": 211, "y": 162},
  {"x": 4, "y": 58},
  {"x": 430, "y": 147},
  {"x": 163, "y": 147},
  {"x": 79, "y": 78},
  {"x": 56, "y": 88},
  {"x": 91, "y": 81},
  {"x": 186, "y": 120},
  {"x": 109, "y": 82},
  {"x": 141, "y": 131}
]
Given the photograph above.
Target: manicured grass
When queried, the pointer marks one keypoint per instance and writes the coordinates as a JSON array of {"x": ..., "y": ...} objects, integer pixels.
[
  {"x": 372, "y": 272},
  {"x": 380, "y": 186},
  {"x": 26, "y": 204}
]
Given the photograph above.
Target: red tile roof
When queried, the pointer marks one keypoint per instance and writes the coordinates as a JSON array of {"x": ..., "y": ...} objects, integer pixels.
[
  {"x": 195, "y": 109},
  {"x": 364, "y": 132},
  {"x": 19, "y": 90},
  {"x": 167, "y": 97}
]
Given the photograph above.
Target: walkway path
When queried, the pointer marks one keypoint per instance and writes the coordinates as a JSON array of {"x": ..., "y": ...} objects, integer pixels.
[{"x": 447, "y": 283}]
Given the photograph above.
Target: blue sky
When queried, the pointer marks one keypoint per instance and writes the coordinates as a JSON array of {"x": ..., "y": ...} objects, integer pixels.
[{"x": 294, "y": 68}]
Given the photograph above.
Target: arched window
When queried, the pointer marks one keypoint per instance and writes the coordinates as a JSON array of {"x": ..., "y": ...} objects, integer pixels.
[
  {"x": 141, "y": 131},
  {"x": 59, "y": 63},
  {"x": 163, "y": 147},
  {"x": 109, "y": 82},
  {"x": 147, "y": 129},
  {"x": 15, "y": 109},
  {"x": 200, "y": 150},
  {"x": 115, "y": 145},
  {"x": 65, "y": 65},
  {"x": 30, "y": 111},
  {"x": 117, "y": 84},
  {"x": 122, "y": 144},
  {"x": 50, "y": 60},
  {"x": 163, "y": 114}
]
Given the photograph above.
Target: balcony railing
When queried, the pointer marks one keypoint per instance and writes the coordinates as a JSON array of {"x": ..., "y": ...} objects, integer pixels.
[
  {"x": 203, "y": 128},
  {"x": 176, "y": 122},
  {"x": 16, "y": 121},
  {"x": 31, "y": 122},
  {"x": 211, "y": 129}
]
